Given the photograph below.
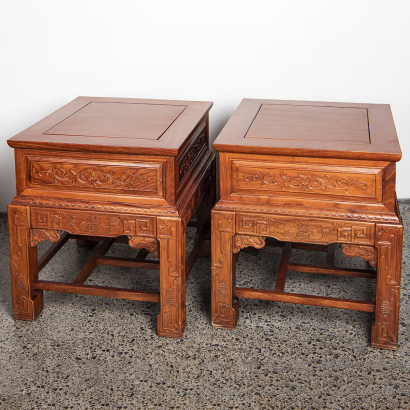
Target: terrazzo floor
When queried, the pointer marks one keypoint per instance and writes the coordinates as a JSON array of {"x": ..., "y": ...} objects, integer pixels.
[{"x": 95, "y": 353}]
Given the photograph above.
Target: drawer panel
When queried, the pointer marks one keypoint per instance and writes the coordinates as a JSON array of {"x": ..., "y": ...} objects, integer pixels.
[
  {"x": 259, "y": 178},
  {"x": 79, "y": 174}
]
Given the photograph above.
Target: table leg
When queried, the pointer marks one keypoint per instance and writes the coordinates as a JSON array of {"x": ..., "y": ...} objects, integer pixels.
[
  {"x": 203, "y": 212},
  {"x": 386, "y": 321},
  {"x": 224, "y": 305},
  {"x": 172, "y": 319},
  {"x": 27, "y": 302}
]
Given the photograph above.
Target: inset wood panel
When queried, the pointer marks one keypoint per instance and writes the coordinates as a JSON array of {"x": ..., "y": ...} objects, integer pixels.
[
  {"x": 310, "y": 123},
  {"x": 139, "y": 178},
  {"x": 119, "y": 120},
  {"x": 261, "y": 178}
]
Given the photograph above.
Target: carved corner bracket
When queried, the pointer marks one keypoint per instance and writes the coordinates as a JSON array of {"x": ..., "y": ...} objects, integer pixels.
[
  {"x": 243, "y": 241},
  {"x": 40, "y": 235},
  {"x": 150, "y": 244},
  {"x": 368, "y": 253}
]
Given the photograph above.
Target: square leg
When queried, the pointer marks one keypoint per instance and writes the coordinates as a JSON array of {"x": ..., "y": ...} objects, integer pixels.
[
  {"x": 385, "y": 328},
  {"x": 172, "y": 319},
  {"x": 27, "y": 302},
  {"x": 225, "y": 306}
]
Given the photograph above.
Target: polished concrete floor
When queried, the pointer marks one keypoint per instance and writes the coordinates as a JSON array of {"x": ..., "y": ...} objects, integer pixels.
[{"x": 95, "y": 353}]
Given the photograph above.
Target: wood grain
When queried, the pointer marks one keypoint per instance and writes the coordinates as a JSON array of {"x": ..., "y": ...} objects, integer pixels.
[
  {"x": 112, "y": 169},
  {"x": 310, "y": 173}
]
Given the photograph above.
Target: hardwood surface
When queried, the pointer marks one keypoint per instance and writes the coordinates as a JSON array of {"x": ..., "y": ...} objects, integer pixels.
[
  {"x": 333, "y": 124},
  {"x": 310, "y": 123},
  {"x": 116, "y": 118},
  {"x": 119, "y": 120},
  {"x": 309, "y": 173},
  {"x": 107, "y": 169}
]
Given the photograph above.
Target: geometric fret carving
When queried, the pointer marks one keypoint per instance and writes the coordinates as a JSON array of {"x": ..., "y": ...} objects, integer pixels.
[
  {"x": 368, "y": 253},
  {"x": 93, "y": 223},
  {"x": 150, "y": 244},
  {"x": 301, "y": 230}
]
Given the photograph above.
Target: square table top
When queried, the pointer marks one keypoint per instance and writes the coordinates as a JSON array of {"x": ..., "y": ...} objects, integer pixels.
[
  {"x": 320, "y": 129},
  {"x": 118, "y": 125}
]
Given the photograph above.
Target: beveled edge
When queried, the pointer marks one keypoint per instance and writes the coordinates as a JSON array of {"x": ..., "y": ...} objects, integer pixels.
[
  {"x": 169, "y": 144},
  {"x": 384, "y": 147}
]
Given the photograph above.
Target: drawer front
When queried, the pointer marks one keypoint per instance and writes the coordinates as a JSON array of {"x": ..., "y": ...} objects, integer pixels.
[
  {"x": 310, "y": 180},
  {"x": 78, "y": 174},
  {"x": 285, "y": 228}
]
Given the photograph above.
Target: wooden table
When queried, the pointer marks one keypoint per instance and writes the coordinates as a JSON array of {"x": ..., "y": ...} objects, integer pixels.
[
  {"x": 309, "y": 173},
  {"x": 105, "y": 169}
]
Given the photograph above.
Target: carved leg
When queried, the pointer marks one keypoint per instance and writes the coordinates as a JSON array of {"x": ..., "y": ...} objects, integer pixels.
[
  {"x": 386, "y": 321},
  {"x": 172, "y": 319},
  {"x": 224, "y": 305},
  {"x": 27, "y": 302}
]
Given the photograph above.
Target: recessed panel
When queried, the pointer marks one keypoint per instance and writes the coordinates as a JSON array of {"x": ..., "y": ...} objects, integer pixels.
[
  {"x": 334, "y": 182},
  {"x": 96, "y": 176},
  {"x": 310, "y": 123},
  {"x": 121, "y": 120}
]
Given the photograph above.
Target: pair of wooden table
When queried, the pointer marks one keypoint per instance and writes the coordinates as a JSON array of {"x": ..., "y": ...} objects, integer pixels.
[{"x": 307, "y": 174}]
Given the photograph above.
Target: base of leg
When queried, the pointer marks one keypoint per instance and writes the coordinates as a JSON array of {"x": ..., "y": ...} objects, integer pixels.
[
  {"x": 380, "y": 338},
  {"x": 28, "y": 309},
  {"x": 167, "y": 328},
  {"x": 173, "y": 334},
  {"x": 228, "y": 316}
]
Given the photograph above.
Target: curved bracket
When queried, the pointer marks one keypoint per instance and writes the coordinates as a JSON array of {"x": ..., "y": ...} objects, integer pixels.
[
  {"x": 368, "y": 253},
  {"x": 243, "y": 241},
  {"x": 40, "y": 235},
  {"x": 150, "y": 244}
]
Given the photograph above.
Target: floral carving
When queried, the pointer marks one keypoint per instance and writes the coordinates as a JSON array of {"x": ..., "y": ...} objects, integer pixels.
[
  {"x": 120, "y": 177},
  {"x": 95, "y": 176},
  {"x": 242, "y": 241},
  {"x": 305, "y": 181},
  {"x": 40, "y": 235},
  {"x": 150, "y": 244},
  {"x": 368, "y": 253},
  {"x": 192, "y": 154}
]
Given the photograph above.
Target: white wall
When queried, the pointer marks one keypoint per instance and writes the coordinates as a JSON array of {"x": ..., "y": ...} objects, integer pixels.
[{"x": 52, "y": 51}]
